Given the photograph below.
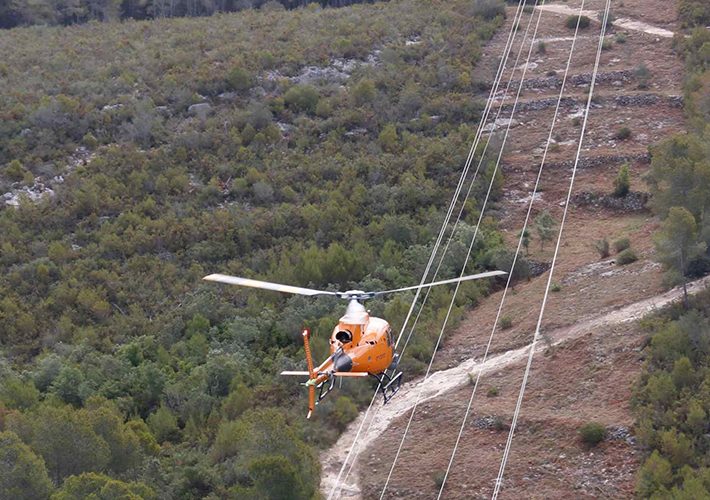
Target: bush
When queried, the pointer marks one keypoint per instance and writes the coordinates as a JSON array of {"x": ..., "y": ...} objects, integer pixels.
[
  {"x": 90, "y": 141},
  {"x": 492, "y": 392},
  {"x": 555, "y": 288},
  {"x": 592, "y": 433},
  {"x": 576, "y": 121},
  {"x": 302, "y": 97},
  {"x": 623, "y": 133},
  {"x": 541, "y": 48},
  {"x": 438, "y": 478},
  {"x": 488, "y": 9},
  {"x": 606, "y": 45},
  {"x": 622, "y": 183},
  {"x": 622, "y": 244},
  {"x": 552, "y": 72},
  {"x": 610, "y": 18},
  {"x": 627, "y": 257},
  {"x": 571, "y": 22},
  {"x": 364, "y": 92},
  {"x": 621, "y": 38},
  {"x": 14, "y": 171},
  {"x": 602, "y": 248},
  {"x": 643, "y": 74},
  {"x": 506, "y": 322},
  {"x": 239, "y": 79}
]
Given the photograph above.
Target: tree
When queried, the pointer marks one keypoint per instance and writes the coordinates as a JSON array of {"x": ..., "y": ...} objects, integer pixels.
[
  {"x": 545, "y": 227},
  {"x": 388, "y": 138},
  {"x": 526, "y": 241},
  {"x": 65, "y": 439},
  {"x": 680, "y": 177},
  {"x": 677, "y": 243},
  {"x": 621, "y": 183},
  {"x": 18, "y": 395},
  {"x": 23, "y": 475},
  {"x": 655, "y": 474},
  {"x": 101, "y": 487},
  {"x": 163, "y": 425}
]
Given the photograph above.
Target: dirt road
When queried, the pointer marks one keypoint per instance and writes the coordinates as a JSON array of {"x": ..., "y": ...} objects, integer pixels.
[{"x": 438, "y": 383}]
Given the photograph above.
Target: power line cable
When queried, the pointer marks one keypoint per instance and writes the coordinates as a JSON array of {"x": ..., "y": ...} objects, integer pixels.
[
  {"x": 506, "y": 452},
  {"x": 463, "y": 269},
  {"x": 515, "y": 258},
  {"x": 494, "y": 89}
]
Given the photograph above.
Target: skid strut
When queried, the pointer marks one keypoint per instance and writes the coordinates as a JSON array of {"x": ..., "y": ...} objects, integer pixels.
[{"x": 388, "y": 385}]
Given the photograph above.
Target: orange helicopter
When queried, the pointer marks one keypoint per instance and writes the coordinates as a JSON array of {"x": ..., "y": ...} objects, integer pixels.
[{"x": 360, "y": 346}]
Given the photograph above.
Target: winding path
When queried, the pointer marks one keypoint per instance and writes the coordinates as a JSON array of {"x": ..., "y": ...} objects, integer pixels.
[{"x": 447, "y": 380}]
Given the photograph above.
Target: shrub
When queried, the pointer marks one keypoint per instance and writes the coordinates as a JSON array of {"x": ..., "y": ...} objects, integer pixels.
[
  {"x": 643, "y": 74},
  {"x": 622, "y": 244},
  {"x": 438, "y": 478},
  {"x": 622, "y": 183},
  {"x": 623, "y": 133},
  {"x": 90, "y": 141},
  {"x": 239, "y": 79},
  {"x": 488, "y": 9},
  {"x": 610, "y": 18},
  {"x": 627, "y": 257},
  {"x": 555, "y": 288},
  {"x": 571, "y": 22},
  {"x": 576, "y": 121},
  {"x": 602, "y": 248},
  {"x": 492, "y": 392},
  {"x": 606, "y": 45},
  {"x": 541, "y": 48},
  {"x": 302, "y": 97},
  {"x": 621, "y": 38},
  {"x": 592, "y": 433},
  {"x": 388, "y": 138},
  {"x": 506, "y": 322},
  {"x": 14, "y": 171},
  {"x": 364, "y": 92},
  {"x": 552, "y": 72}
]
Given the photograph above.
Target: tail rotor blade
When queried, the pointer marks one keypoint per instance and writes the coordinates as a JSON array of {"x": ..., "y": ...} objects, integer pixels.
[{"x": 311, "y": 400}]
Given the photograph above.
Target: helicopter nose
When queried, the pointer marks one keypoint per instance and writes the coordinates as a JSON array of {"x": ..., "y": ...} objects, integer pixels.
[{"x": 342, "y": 362}]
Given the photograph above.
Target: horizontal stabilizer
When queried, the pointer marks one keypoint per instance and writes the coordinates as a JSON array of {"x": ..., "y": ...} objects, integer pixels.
[{"x": 336, "y": 374}]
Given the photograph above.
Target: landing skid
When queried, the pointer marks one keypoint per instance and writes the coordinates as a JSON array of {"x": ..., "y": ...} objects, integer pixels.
[{"x": 388, "y": 385}]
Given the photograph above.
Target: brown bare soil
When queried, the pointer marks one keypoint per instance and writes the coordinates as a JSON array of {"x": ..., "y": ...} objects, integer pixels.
[{"x": 577, "y": 379}]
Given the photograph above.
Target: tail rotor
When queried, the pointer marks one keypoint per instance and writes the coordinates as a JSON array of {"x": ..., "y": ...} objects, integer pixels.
[{"x": 311, "y": 375}]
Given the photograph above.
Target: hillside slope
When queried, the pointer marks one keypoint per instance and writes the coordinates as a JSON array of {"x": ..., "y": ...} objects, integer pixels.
[{"x": 582, "y": 378}]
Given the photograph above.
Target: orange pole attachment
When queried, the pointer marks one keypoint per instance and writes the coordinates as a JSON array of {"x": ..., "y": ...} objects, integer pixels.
[{"x": 311, "y": 387}]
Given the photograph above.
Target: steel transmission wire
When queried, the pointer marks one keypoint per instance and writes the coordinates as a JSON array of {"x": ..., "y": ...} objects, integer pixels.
[
  {"x": 470, "y": 249},
  {"x": 511, "y": 433},
  {"x": 494, "y": 88},
  {"x": 517, "y": 252}
]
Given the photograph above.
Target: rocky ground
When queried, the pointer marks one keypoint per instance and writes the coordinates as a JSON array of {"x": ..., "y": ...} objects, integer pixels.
[{"x": 587, "y": 361}]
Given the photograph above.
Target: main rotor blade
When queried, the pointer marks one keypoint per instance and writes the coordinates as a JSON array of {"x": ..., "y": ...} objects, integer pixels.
[
  {"x": 445, "y": 282},
  {"x": 233, "y": 280}
]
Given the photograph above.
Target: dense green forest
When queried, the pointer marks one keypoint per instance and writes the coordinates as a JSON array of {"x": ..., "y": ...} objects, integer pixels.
[
  {"x": 672, "y": 396},
  {"x": 48, "y": 12},
  {"x": 314, "y": 147}
]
